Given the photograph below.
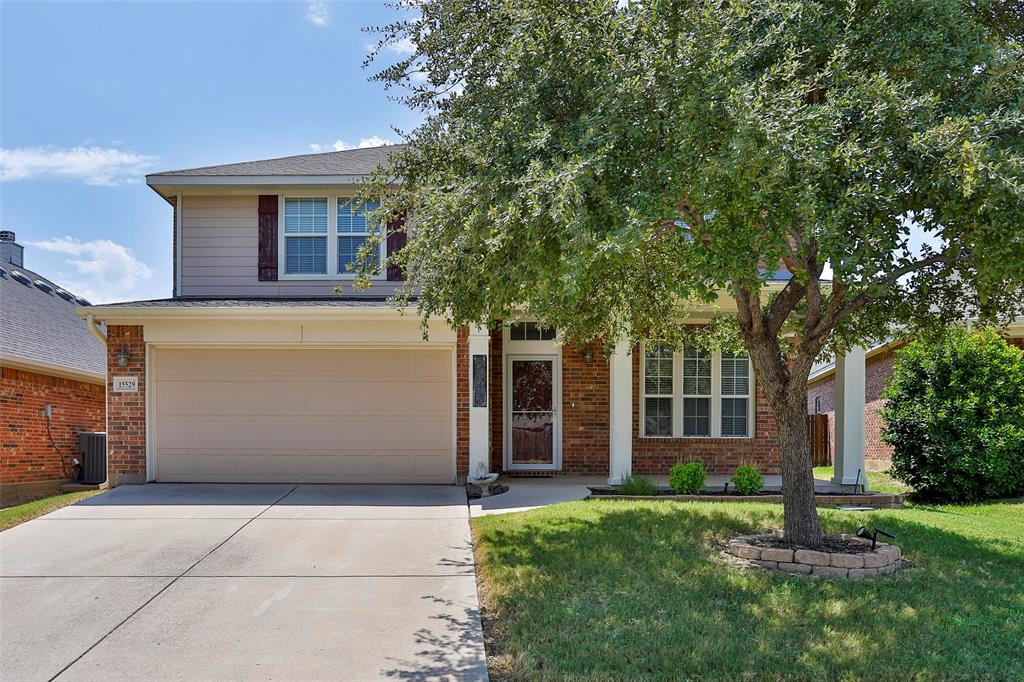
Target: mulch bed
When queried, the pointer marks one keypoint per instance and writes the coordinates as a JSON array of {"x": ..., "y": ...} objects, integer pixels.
[{"x": 831, "y": 543}]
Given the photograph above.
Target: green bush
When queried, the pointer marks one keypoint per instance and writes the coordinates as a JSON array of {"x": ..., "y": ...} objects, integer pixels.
[
  {"x": 687, "y": 479},
  {"x": 636, "y": 485},
  {"x": 747, "y": 480},
  {"x": 954, "y": 414}
]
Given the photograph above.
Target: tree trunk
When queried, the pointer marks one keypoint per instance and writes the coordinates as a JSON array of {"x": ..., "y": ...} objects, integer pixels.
[{"x": 800, "y": 521}]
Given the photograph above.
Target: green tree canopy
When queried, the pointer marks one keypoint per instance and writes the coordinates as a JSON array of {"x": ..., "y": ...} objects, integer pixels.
[{"x": 602, "y": 164}]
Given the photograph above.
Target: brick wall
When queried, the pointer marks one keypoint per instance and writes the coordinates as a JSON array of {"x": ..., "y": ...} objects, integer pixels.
[
  {"x": 585, "y": 411},
  {"x": 655, "y": 456},
  {"x": 462, "y": 402},
  {"x": 585, "y": 415},
  {"x": 877, "y": 368},
  {"x": 26, "y": 452},
  {"x": 496, "y": 401},
  {"x": 126, "y": 412}
]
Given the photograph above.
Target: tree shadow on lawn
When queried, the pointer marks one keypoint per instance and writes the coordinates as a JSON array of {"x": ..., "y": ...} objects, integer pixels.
[{"x": 633, "y": 589}]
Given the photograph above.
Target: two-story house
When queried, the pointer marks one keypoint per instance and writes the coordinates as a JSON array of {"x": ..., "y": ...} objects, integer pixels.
[{"x": 258, "y": 370}]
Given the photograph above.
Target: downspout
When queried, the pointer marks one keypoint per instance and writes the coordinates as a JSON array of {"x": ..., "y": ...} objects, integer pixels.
[{"x": 95, "y": 329}]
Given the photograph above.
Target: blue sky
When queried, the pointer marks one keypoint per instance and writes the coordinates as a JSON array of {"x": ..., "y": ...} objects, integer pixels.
[{"x": 95, "y": 95}]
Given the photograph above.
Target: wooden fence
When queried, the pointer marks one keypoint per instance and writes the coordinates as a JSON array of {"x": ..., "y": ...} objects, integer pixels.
[{"x": 817, "y": 428}]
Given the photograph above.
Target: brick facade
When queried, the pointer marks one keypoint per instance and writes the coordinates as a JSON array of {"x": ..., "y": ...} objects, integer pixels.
[
  {"x": 126, "y": 412},
  {"x": 27, "y": 453},
  {"x": 462, "y": 402},
  {"x": 655, "y": 456},
  {"x": 585, "y": 429}
]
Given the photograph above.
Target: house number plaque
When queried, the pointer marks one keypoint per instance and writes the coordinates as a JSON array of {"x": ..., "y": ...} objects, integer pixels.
[{"x": 126, "y": 384}]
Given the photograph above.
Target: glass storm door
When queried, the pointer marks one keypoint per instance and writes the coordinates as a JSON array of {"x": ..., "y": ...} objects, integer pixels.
[{"x": 533, "y": 413}]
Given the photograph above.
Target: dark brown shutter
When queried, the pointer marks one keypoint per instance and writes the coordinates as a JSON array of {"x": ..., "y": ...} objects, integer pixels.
[
  {"x": 396, "y": 242},
  {"x": 268, "y": 238}
]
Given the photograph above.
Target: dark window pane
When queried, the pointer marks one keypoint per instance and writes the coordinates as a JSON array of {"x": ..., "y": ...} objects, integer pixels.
[
  {"x": 697, "y": 417},
  {"x": 658, "y": 416},
  {"x": 734, "y": 417}
]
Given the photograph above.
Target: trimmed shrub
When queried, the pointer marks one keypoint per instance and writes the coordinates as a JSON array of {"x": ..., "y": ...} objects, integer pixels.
[
  {"x": 636, "y": 485},
  {"x": 687, "y": 479},
  {"x": 747, "y": 480},
  {"x": 954, "y": 414}
]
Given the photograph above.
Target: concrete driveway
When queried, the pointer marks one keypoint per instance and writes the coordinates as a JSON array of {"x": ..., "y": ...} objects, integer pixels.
[{"x": 243, "y": 582}]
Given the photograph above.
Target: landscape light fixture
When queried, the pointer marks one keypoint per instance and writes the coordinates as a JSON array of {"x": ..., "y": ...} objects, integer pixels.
[{"x": 864, "y": 533}]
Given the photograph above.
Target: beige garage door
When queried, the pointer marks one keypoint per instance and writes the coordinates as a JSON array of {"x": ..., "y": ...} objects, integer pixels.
[{"x": 359, "y": 416}]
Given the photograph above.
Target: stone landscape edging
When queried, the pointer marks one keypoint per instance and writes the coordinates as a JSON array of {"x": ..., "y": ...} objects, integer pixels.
[
  {"x": 875, "y": 501},
  {"x": 882, "y": 560}
]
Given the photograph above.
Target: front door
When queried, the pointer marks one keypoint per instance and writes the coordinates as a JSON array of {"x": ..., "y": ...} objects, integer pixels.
[{"x": 533, "y": 435}]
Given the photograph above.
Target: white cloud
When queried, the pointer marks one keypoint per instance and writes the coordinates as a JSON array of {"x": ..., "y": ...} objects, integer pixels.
[
  {"x": 341, "y": 145},
  {"x": 93, "y": 165},
  {"x": 403, "y": 46},
  {"x": 316, "y": 12},
  {"x": 105, "y": 271}
]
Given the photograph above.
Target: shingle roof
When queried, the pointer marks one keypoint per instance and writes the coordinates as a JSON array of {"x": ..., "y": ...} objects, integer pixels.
[
  {"x": 349, "y": 162},
  {"x": 40, "y": 327},
  {"x": 307, "y": 302}
]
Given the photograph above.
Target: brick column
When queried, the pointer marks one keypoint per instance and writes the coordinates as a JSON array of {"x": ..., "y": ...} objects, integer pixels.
[
  {"x": 462, "y": 404},
  {"x": 126, "y": 412}
]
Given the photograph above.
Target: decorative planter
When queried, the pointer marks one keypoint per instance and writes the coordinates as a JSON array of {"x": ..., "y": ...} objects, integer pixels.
[{"x": 758, "y": 551}]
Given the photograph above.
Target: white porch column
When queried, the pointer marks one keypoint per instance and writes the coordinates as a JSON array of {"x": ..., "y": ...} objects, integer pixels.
[
  {"x": 479, "y": 400},
  {"x": 849, "y": 403},
  {"x": 620, "y": 422}
]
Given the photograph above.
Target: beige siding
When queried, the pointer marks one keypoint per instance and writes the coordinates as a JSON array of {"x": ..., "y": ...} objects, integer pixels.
[{"x": 219, "y": 254}]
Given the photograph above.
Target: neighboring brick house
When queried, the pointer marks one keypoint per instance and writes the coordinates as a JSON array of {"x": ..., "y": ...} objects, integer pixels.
[
  {"x": 52, "y": 379},
  {"x": 258, "y": 370},
  {"x": 878, "y": 368}
]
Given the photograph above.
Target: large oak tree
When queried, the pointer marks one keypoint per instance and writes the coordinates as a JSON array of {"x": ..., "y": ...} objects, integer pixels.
[{"x": 604, "y": 164}]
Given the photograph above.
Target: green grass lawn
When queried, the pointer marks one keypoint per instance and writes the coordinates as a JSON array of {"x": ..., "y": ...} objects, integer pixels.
[
  {"x": 12, "y": 516},
  {"x": 878, "y": 481},
  {"x": 618, "y": 589}
]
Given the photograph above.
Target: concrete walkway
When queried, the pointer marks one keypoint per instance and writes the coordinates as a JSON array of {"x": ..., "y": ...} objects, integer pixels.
[{"x": 243, "y": 582}]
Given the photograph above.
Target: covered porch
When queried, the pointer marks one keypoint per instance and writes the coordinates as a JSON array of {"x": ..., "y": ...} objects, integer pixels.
[{"x": 849, "y": 441}]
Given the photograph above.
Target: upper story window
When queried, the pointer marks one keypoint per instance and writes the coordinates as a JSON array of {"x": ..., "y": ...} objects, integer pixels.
[
  {"x": 530, "y": 331},
  {"x": 353, "y": 231},
  {"x": 305, "y": 235},
  {"x": 696, "y": 394},
  {"x": 322, "y": 237}
]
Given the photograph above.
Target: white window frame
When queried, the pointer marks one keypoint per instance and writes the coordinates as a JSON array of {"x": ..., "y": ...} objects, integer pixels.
[
  {"x": 716, "y": 399},
  {"x": 283, "y": 237},
  {"x": 332, "y": 235},
  {"x": 673, "y": 426}
]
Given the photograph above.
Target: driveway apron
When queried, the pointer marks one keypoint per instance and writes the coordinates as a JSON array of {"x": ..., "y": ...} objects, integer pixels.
[{"x": 244, "y": 582}]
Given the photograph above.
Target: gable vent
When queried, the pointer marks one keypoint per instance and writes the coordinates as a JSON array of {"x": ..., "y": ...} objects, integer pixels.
[{"x": 19, "y": 277}]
